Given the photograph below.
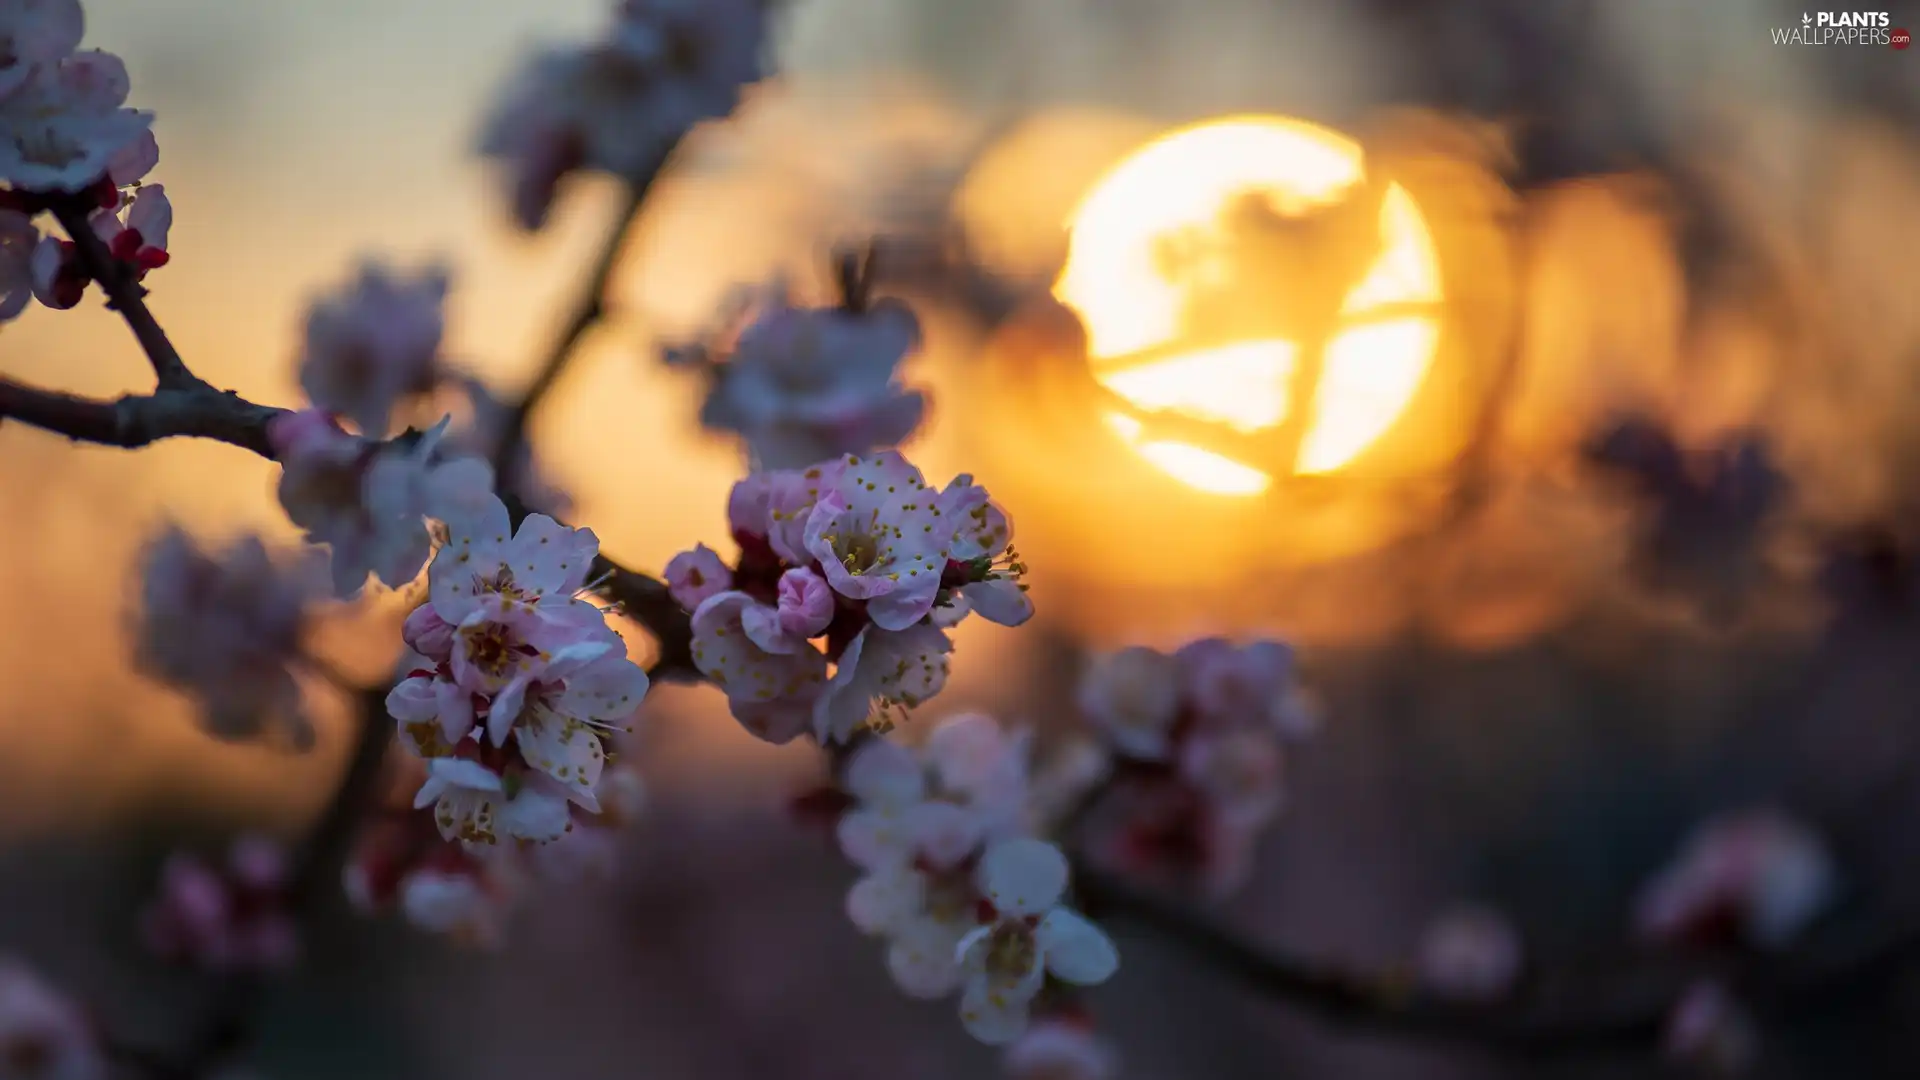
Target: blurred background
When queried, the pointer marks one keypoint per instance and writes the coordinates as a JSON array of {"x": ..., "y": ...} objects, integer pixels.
[{"x": 1633, "y": 205}]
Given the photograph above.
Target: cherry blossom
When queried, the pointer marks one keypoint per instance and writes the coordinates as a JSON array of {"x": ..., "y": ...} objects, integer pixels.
[
  {"x": 877, "y": 535},
  {"x": 477, "y": 803},
  {"x": 619, "y": 104},
  {"x": 62, "y": 125},
  {"x": 227, "y": 627},
  {"x": 1470, "y": 953},
  {"x": 1196, "y": 759},
  {"x": 229, "y": 918},
  {"x": 801, "y": 385},
  {"x": 694, "y": 576},
  {"x": 988, "y": 581},
  {"x": 772, "y": 694},
  {"x": 43, "y": 1036},
  {"x": 1059, "y": 1048},
  {"x": 367, "y": 500},
  {"x": 1024, "y": 937},
  {"x": 966, "y": 785},
  {"x": 140, "y": 237},
  {"x": 34, "y": 33},
  {"x": 1134, "y": 696},
  {"x": 884, "y": 672},
  {"x": 373, "y": 342},
  {"x": 453, "y": 902},
  {"x": 1760, "y": 875}
]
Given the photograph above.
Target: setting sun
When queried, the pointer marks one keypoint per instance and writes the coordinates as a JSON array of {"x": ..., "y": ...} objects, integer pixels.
[{"x": 1193, "y": 308}]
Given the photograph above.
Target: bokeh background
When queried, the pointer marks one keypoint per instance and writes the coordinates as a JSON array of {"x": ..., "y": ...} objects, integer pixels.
[{"x": 1719, "y": 230}]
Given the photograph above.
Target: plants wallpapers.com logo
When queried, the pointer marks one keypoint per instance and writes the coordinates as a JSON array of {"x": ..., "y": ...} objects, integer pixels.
[{"x": 1844, "y": 28}]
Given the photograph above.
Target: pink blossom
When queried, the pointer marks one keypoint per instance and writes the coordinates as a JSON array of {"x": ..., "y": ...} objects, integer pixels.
[
  {"x": 1470, "y": 953},
  {"x": 18, "y": 239},
  {"x": 374, "y": 342},
  {"x": 1134, "y": 697},
  {"x": 881, "y": 671},
  {"x": 367, "y": 500},
  {"x": 454, "y": 902},
  {"x": 55, "y": 274},
  {"x": 140, "y": 238},
  {"x": 1227, "y": 682},
  {"x": 801, "y": 385},
  {"x": 619, "y": 104},
  {"x": 1239, "y": 772},
  {"x": 1059, "y": 1048},
  {"x": 983, "y": 538},
  {"x": 36, "y": 33},
  {"x": 229, "y": 919},
  {"x": 966, "y": 786},
  {"x": 1760, "y": 874},
  {"x": 878, "y": 536},
  {"x": 62, "y": 124},
  {"x": 478, "y": 804},
  {"x": 228, "y": 628},
  {"x": 43, "y": 1036},
  {"x": 1026, "y": 936},
  {"x": 806, "y": 603},
  {"x": 771, "y": 694},
  {"x": 694, "y": 576}
]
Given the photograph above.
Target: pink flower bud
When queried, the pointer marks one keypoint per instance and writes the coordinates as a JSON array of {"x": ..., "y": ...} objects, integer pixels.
[
  {"x": 806, "y": 603},
  {"x": 426, "y": 633},
  {"x": 695, "y": 575}
]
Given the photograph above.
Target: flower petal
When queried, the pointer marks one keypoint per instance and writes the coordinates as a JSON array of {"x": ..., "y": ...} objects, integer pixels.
[
  {"x": 1023, "y": 876},
  {"x": 1076, "y": 950}
]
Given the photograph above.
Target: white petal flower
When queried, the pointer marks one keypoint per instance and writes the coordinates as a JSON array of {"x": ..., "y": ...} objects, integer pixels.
[
  {"x": 1029, "y": 937},
  {"x": 62, "y": 126},
  {"x": 1134, "y": 697},
  {"x": 771, "y": 694},
  {"x": 34, "y": 33},
  {"x": 877, "y": 535},
  {"x": 1770, "y": 873},
  {"x": 373, "y": 342},
  {"x": 885, "y": 669}
]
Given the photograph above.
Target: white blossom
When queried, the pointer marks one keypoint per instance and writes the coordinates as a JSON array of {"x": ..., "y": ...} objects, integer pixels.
[
  {"x": 62, "y": 126},
  {"x": 1030, "y": 936},
  {"x": 373, "y": 342},
  {"x": 1769, "y": 873},
  {"x": 619, "y": 104},
  {"x": 43, "y": 1036}
]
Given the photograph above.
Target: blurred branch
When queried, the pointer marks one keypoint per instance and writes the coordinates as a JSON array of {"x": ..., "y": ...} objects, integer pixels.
[
  {"x": 195, "y": 410},
  {"x": 125, "y": 295},
  {"x": 1623, "y": 1010},
  {"x": 588, "y": 311}
]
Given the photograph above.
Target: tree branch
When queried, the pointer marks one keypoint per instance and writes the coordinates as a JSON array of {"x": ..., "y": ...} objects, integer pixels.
[
  {"x": 588, "y": 311},
  {"x": 125, "y": 294},
  {"x": 195, "y": 410}
]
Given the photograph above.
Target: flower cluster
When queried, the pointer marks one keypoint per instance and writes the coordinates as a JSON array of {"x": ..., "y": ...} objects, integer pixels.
[
  {"x": 518, "y": 681},
  {"x": 66, "y": 137},
  {"x": 800, "y": 385},
  {"x": 374, "y": 342},
  {"x": 618, "y": 105},
  {"x": 1759, "y": 877},
  {"x": 1196, "y": 738},
  {"x": 228, "y": 628},
  {"x": 857, "y": 564},
  {"x": 964, "y": 899},
  {"x": 227, "y": 918},
  {"x": 368, "y": 500},
  {"x": 467, "y": 892},
  {"x": 43, "y": 1035}
]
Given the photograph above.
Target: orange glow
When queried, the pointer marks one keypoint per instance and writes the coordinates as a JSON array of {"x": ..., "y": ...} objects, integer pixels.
[{"x": 1118, "y": 282}]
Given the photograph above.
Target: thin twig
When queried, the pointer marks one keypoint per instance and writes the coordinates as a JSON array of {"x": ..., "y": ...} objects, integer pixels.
[
  {"x": 589, "y": 309},
  {"x": 192, "y": 411},
  {"x": 125, "y": 295}
]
